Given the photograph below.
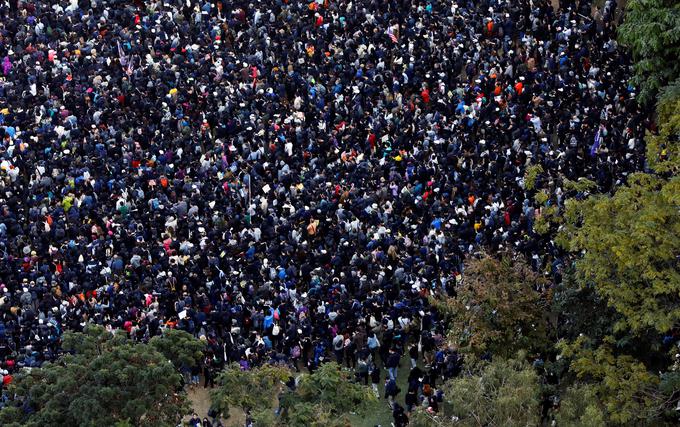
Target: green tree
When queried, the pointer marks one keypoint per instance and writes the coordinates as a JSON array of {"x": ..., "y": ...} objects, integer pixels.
[
  {"x": 329, "y": 390},
  {"x": 623, "y": 385},
  {"x": 549, "y": 211},
  {"x": 254, "y": 391},
  {"x": 106, "y": 380},
  {"x": 314, "y": 415},
  {"x": 628, "y": 249},
  {"x": 323, "y": 398},
  {"x": 180, "y": 347},
  {"x": 531, "y": 176},
  {"x": 651, "y": 30},
  {"x": 503, "y": 393},
  {"x": 577, "y": 308},
  {"x": 663, "y": 147},
  {"x": 581, "y": 407},
  {"x": 630, "y": 246},
  {"x": 499, "y": 308}
]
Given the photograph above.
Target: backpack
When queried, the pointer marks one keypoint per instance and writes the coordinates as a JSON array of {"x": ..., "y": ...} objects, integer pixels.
[
  {"x": 276, "y": 330},
  {"x": 338, "y": 343},
  {"x": 295, "y": 351}
]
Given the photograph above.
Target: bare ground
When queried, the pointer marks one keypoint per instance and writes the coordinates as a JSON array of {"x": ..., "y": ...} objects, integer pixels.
[{"x": 199, "y": 398}]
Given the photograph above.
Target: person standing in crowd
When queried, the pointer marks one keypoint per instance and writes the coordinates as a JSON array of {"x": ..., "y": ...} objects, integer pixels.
[
  {"x": 392, "y": 363},
  {"x": 375, "y": 380},
  {"x": 391, "y": 391}
]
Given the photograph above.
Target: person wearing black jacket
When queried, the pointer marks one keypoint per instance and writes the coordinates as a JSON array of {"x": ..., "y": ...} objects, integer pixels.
[
  {"x": 392, "y": 363},
  {"x": 400, "y": 417},
  {"x": 391, "y": 391}
]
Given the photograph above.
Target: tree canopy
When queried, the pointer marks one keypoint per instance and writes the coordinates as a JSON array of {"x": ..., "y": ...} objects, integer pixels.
[
  {"x": 253, "y": 390},
  {"x": 626, "y": 247},
  {"x": 180, "y": 347},
  {"x": 504, "y": 393},
  {"x": 580, "y": 407},
  {"x": 652, "y": 31},
  {"x": 323, "y": 398},
  {"x": 498, "y": 308},
  {"x": 663, "y": 147},
  {"x": 328, "y": 393},
  {"x": 630, "y": 247},
  {"x": 105, "y": 379}
]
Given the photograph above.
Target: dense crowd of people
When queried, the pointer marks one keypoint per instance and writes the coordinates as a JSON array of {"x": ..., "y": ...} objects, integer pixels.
[{"x": 289, "y": 181}]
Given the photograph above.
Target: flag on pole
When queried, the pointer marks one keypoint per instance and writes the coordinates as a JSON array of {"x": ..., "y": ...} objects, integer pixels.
[
  {"x": 596, "y": 143},
  {"x": 390, "y": 33},
  {"x": 121, "y": 55},
  {"x": 130, "y": 67}
]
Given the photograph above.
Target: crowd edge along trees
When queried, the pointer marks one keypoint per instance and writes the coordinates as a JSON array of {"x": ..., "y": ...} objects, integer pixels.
[
  {"x": 103, "y": 379},
  {"x": 651, "y": 30},
  {"x": 631, "y": 254},
  {"x": 505, "y": 392}
]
